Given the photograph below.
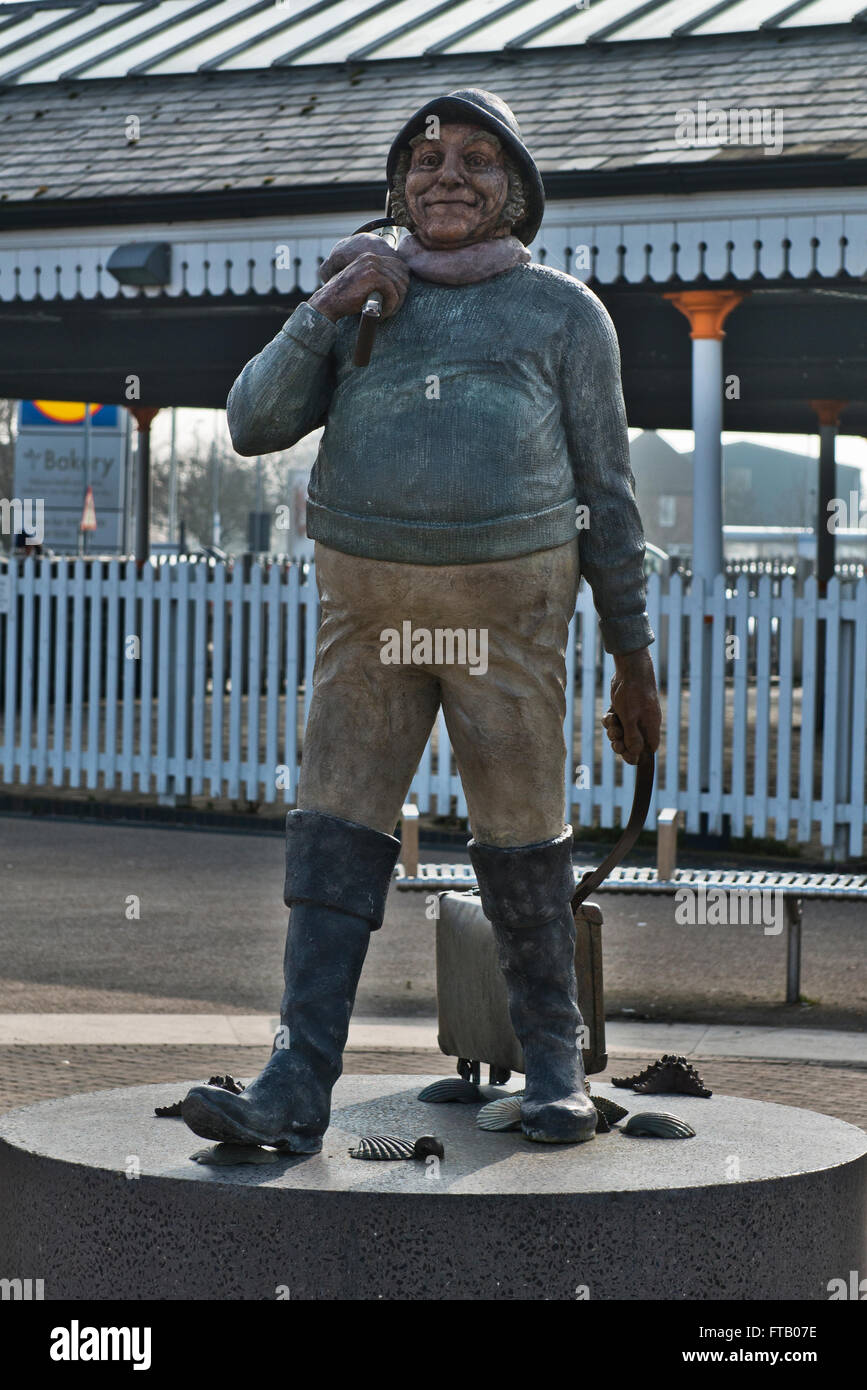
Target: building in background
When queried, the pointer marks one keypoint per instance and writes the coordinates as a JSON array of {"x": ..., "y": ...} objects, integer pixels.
[{"x": 762, "y": 487}]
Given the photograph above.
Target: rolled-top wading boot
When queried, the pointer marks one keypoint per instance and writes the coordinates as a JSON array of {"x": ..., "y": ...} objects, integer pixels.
[
  {"x": 337, "y": 878},
  {"x": 526, "y": 895}
]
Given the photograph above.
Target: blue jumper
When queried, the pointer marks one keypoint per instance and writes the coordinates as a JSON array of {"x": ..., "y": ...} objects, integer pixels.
[{"x": 490, "y": 417}]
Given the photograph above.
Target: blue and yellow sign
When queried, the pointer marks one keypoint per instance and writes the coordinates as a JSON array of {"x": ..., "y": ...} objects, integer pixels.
[
  {"x": 58, "y": 466},
  {"x": 44, "y": 414}
]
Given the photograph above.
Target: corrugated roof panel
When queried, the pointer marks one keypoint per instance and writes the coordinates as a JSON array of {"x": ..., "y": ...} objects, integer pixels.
[
  {"x": 662, "y": 20},
  {"x": 303, "y": 38},
  {"x": 276, "y": 39},
  {"x": 438, "y": 22},
  {"x": 175, "y": 36},
  {"x": 259, "y": 37},
  {"x": 25, "y": 25},
  {"x": 822, "y": 12},
  {"x": 187, "y": 45},
  {"x": 120, "y": 25},
  {"x": 574, "y": 24},
  {"x": 346, "y": 26},
  {"x": 288, "y": 34},
  {"x": 401, "y": 28},
  {"x": 500, "y": 24},
  {"x": 160, "y": 38},
  {"x": 124, "y": 36},
  {"x": 433, "y": 23},
  {"x": 53, "y": 37},
  {"x": 743, "y": 14}
]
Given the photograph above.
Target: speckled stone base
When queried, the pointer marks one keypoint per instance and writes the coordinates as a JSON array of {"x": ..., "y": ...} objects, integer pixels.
[{"x": 766, "y": 1202}]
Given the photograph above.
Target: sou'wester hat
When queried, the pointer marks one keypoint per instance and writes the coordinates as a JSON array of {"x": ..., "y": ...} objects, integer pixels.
[{"x": 473, "y": 106}]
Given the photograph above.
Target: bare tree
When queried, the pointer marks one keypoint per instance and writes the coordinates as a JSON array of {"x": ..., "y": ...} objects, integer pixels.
[{"x": 236, "y": 487}]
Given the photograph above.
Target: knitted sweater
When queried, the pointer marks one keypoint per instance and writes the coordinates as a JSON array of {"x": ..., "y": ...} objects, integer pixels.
[{"x": 489, "y": 424}]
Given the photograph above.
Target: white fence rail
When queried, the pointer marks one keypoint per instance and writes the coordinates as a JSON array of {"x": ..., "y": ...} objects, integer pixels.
[{"x": 195, "y": 679}]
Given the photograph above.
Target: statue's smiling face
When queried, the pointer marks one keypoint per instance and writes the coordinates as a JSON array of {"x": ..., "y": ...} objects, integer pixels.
[{"x": 456, "y": 187}]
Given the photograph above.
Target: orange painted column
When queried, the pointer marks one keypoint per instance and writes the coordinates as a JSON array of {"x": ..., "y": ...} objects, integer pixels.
[{"x": 707, "y": 311}]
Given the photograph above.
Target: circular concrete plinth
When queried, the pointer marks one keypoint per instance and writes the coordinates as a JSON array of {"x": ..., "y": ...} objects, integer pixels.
[{"x": 766, "y": 1202}]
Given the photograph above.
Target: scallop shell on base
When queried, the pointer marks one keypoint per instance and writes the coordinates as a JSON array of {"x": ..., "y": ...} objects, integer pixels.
[
  {"x": 450, "y": 1089},
  {"x": 382, "y": 1148},
  {"x": 657, "y": 1125},
  {"x": 231, "y": 1155},
  {"x": 503, "y": 1114}
]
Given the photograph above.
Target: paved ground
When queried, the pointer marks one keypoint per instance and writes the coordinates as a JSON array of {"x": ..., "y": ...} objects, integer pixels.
[
  {"x": 102, "y": 919},
  {"x": 29, "y": 1074},
  {"x": 832, "y": 1047},
  {"x": 209, "y": 933}
]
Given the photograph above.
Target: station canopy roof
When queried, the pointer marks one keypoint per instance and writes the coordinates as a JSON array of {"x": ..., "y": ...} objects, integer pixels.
[
  {"x": 43, "y": 40},
  {"x": 258, "y": 95},
  {"x": 258, "y": 123}
]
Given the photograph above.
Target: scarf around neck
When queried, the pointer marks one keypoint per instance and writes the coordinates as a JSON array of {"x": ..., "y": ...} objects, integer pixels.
[{"x": 466, "y": 265}]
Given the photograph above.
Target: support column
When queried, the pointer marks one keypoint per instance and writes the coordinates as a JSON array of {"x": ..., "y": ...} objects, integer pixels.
[
  {"x": 143, "y": 416},
  {"x": 173, "y": 480},
  {"x": 828, "y": 413},
  {"x": 707, "y": 311}
]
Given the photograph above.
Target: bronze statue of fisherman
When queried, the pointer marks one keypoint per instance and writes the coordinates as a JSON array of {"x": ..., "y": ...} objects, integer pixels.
[{"x": 449, "y": 480}]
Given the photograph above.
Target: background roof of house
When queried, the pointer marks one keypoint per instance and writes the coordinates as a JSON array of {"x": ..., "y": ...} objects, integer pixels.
[
  {"x": 42, "y": 40},
  {"x": 598, "y": 120}
]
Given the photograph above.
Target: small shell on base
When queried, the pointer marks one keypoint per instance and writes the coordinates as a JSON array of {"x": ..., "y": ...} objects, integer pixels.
[
  {"x": 657, "y": 1125},
  {"x": 231, "y": 1155},
  {"x": 503, "y": 1114},
  {"x": 452, "y": 1088},
  {"x": 381, "y": 1148},
  {"x": 609, "y": 1108},
  {"x": 426, "y": 1146}
]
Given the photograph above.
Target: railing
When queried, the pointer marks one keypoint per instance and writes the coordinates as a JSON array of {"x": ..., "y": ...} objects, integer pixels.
[{"x": 196, "y": 680}]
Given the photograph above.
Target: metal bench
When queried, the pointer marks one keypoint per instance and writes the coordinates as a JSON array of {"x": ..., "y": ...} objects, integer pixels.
[{"x": 794, "y": 888}]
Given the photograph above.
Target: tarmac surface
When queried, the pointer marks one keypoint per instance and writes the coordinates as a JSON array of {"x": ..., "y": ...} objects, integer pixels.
[
  {"x": 183, "y": 930},
  {"x": 140, "y": 919}
]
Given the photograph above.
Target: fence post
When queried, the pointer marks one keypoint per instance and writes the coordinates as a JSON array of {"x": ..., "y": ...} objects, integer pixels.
[
  {"x": 858, "y": 744},
  {"x": 409, "y": 839},
  {"x": 844, "y": 711},
  {"x": 174, "y": 707},
  {"x": 666, "y": 844},
  {"x": 9, "y": 606}
]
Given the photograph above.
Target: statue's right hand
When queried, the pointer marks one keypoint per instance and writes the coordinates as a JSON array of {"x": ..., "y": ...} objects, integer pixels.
[
  {"x": 349, "y": 248},
  {"x": 348, "y": 291}
]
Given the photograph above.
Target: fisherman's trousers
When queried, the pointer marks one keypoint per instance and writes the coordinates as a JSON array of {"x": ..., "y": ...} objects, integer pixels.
[{"x": 388, "y": 657}]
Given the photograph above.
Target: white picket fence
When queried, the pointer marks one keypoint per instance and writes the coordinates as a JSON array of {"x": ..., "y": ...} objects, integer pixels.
[{"x": 195, "y": 679}]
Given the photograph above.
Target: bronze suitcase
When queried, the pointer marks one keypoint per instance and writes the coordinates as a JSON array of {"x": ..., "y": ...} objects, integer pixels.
[{"x": 472, "y": 1003}]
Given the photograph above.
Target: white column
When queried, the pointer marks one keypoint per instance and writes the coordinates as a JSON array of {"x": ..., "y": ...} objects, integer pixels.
[
  {"x": 707, "y": 419},
  {"x": 706, "y": 311}
]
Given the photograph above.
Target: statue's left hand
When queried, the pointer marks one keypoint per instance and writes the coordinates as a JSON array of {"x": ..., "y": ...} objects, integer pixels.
[{"x": 634, "y": 718}]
